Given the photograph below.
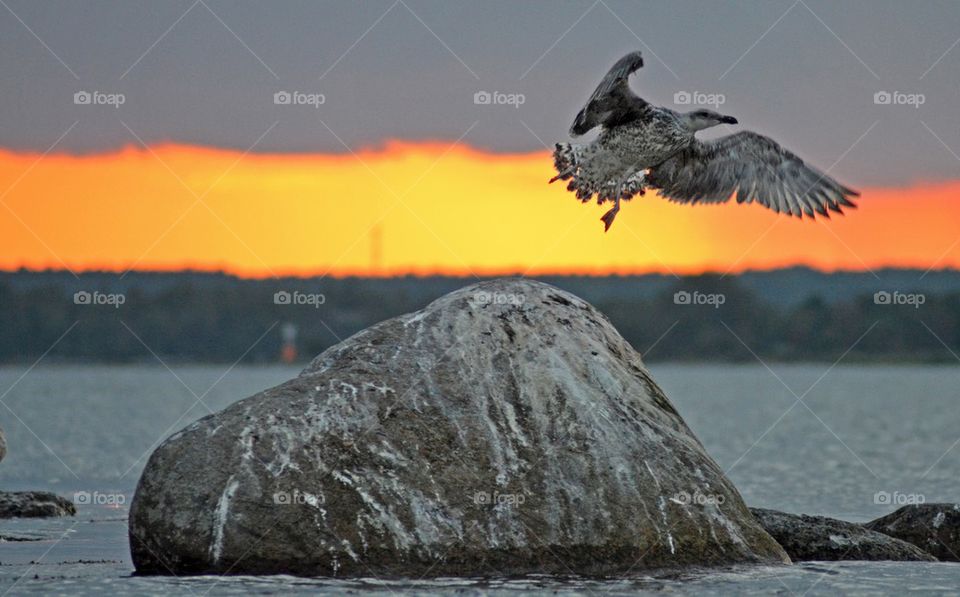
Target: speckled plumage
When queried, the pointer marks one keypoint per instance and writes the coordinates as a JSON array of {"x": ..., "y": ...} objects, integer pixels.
[
  {"x": 622, "y": 153},
  {"x": 641, "y": 145}
]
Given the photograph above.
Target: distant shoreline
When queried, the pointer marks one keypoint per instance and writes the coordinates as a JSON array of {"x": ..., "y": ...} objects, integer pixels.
[{"x": 793, "y": 315}]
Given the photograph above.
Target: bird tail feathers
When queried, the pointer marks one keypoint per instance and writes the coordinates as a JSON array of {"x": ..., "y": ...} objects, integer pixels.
[{"x": 568, "y": 159}]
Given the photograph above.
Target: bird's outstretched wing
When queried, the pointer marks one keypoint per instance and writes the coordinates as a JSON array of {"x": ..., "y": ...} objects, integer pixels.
[
  {"x": 612, "y": 102},
  {"x": 757, "y": 169}
]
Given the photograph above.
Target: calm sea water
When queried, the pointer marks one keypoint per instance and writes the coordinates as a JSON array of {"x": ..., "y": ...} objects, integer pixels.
[{"x": 859, "y": 436}]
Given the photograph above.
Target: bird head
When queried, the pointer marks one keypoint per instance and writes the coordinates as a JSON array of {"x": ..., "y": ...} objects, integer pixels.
[{"x": 704, "y": 119}]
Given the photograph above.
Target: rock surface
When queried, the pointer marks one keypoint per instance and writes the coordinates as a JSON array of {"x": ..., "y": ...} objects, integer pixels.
[
  {"x": 505, "y": 428},
  {"x": 808, "y": 538},
  {"x": 935, "y": 528},
  {"x": 34, "y": 504},
  {"x": 30, "y": 504}
]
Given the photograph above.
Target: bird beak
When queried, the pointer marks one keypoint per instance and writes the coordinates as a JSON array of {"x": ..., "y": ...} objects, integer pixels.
[{"x": 728, "y": 120}]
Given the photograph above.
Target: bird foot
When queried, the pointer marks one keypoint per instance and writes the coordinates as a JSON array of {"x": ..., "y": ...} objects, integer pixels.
[{"x": 608, "y": 218}]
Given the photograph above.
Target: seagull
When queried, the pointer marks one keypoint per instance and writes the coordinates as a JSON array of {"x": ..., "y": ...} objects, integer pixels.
[{"x": 645, "y": 146}]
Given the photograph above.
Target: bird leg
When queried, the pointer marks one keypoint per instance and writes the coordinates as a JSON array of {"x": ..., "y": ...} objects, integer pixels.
[{"x": 610, "y": 215}]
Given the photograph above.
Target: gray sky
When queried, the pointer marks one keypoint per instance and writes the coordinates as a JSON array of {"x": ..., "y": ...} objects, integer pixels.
[{"x": 205, "y": 73}]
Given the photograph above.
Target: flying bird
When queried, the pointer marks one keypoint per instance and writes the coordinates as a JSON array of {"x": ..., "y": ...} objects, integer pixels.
[{"x": 645, "y": 146}]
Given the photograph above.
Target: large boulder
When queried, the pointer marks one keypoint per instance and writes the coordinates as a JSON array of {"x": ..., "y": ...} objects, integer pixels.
[
  {"x": 505, "y": 428},
  {"x": 808, "y": 538},
  {"x": 935, "y": 528}
]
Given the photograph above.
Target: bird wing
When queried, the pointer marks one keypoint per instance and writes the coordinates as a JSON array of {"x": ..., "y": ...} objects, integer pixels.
[
  {"x": 612, "y": 101},
  {"x": 757, "y": 169}
]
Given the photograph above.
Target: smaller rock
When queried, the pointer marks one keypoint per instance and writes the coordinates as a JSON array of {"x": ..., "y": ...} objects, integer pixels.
[
  {"x": 934, "y": 528},
  {"x": 806, "y": 538},
  {"x": 5, "y": 538},
  {"x": 34, "y": 504}
]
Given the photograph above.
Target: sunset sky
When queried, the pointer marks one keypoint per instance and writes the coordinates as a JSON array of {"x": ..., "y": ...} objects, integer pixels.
[
  {"x": 429, "y": 207},
  {"x": 399, "y": 171}
]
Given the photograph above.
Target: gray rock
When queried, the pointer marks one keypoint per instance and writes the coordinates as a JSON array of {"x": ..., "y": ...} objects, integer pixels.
[
  {"x": 30, "y": 504},
  {"x": 808, "y": 538},
  {"x": 34, "y": 504},
  {"x": 506, "y": 428},
  {"x": 935, "y": 528},
  {"x": 20, "y": 538}
]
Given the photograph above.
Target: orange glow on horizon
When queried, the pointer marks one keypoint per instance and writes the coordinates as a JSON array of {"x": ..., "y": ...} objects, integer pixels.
[{"x": 419, "y": 208}]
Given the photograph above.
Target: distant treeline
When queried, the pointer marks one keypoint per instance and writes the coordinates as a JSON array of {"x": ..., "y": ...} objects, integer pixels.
[{"x": 777, "y": 316}]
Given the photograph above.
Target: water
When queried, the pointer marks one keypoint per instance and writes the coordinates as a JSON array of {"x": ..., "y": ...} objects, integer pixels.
[{"x": 861, "y": 434}]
